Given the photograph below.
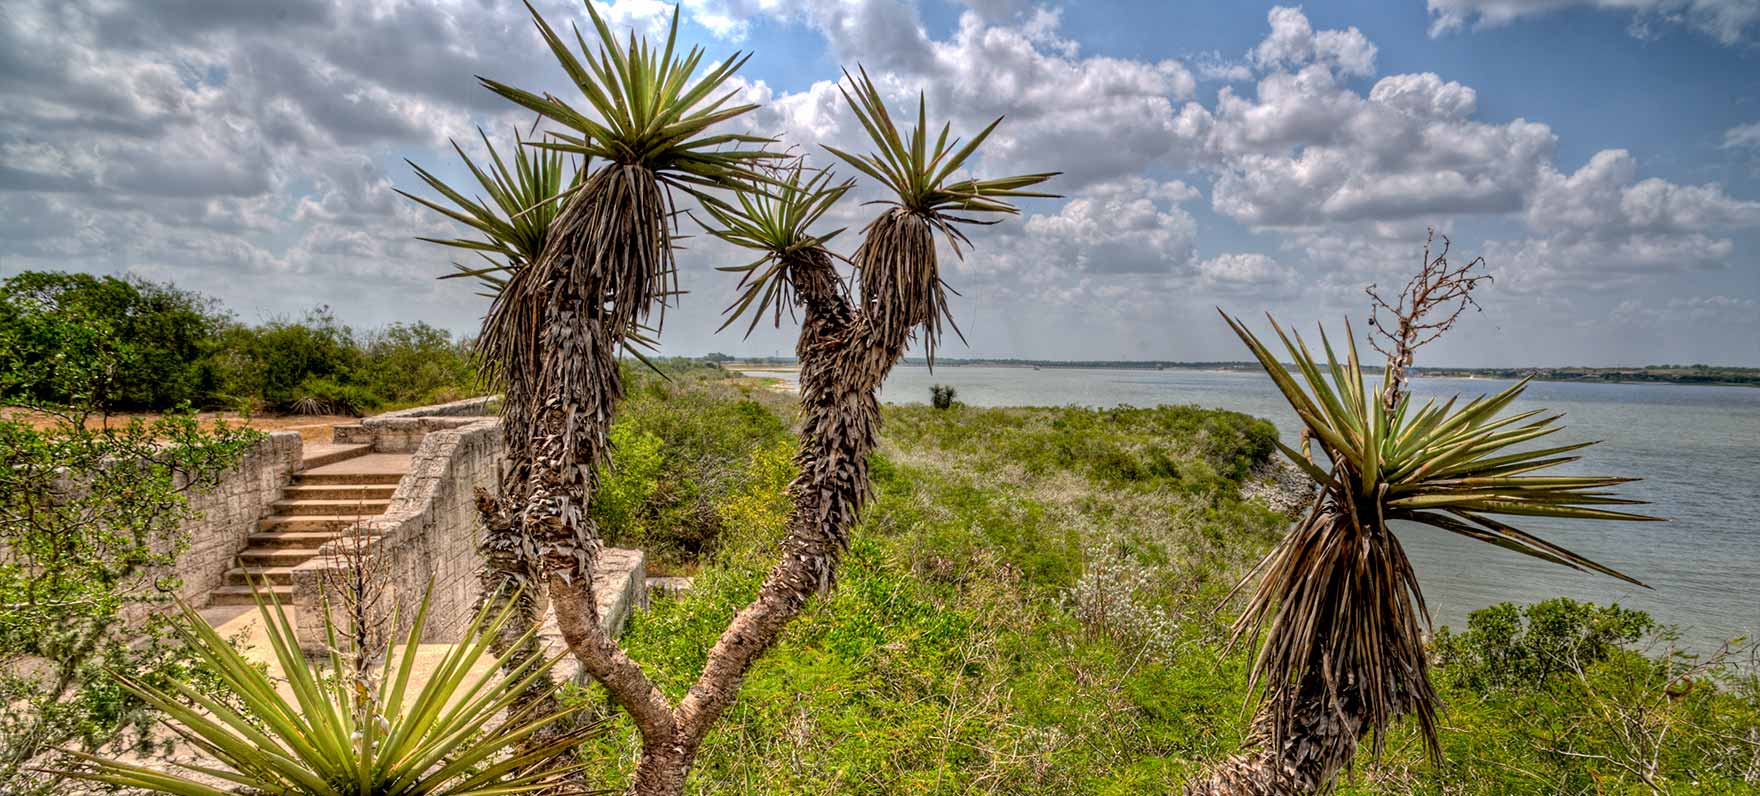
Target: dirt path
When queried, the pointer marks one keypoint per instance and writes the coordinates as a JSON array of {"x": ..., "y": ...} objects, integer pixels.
[{"x": 311, "y": 428}]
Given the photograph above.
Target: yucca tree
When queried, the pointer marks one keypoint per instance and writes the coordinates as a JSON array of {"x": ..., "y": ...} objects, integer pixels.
[
  {"x": 1337, "y": 605},
  {"x": 896, "y": 264},
  {"x": 554, "y": 330},
  {"x": 846, "y": 347},
  {"x": 409, "y": 732},
  {"x": 511, "y": 229}
]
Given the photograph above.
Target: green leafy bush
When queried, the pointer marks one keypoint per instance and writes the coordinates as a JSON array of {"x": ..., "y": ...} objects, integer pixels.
[
  {"x": 114, "y": 343},
  {"x": 683, "y": 442},
  {"x": 1510, "y": 646},
  {"x": 274, "y": 361},
  {"x": 415, "y": 363},
  {"x": 132, "y": 344},
  {"x": 89, "y": 518}
]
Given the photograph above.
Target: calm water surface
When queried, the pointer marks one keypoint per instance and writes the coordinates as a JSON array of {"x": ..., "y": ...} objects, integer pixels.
[{"x": 1698, "y": 449}]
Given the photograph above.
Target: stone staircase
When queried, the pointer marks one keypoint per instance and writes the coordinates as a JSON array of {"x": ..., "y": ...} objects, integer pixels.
[{"x": 336, "y": 487}]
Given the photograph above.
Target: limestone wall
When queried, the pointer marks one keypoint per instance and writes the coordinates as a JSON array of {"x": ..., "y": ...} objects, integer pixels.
[
  {"x": 227, "y": 514},
  {"x": 429, "y": 533}
]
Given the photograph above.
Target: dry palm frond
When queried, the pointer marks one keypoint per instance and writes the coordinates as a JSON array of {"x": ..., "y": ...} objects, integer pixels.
[
  {"x": 774, "y": 218},
  {"x": 1338, "y": 603},
  {"x": 515, "y": 224},
  {"x": 897, "y": 262}
]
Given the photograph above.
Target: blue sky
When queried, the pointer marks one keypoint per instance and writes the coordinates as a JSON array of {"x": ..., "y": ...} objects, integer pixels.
[{"x": 1604, "y": 155}]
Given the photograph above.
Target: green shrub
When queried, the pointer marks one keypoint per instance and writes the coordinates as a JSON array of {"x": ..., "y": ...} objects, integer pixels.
[
  {"x": 274, "y": 361},
  {"x": 132, "y": 344},
  {"x": 114, "y": 343},
  {"x": 416, "y": 364},
  {"x": 1510, "y": 646},
  {"x": 682, "y": 444},
  {"x": 941, "y": 396},
  {"x": 89, "y": 520}
]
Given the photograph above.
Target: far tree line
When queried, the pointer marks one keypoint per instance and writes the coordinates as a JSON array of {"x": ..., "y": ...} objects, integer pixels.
[{"x": 130, "y": 344}]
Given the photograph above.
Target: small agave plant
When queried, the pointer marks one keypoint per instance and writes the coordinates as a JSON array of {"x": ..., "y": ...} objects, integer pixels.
[{"x": 451, "y": 731}]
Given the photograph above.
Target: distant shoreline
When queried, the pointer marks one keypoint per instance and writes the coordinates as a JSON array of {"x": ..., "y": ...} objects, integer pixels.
[{"x": 1706, "y": 376}]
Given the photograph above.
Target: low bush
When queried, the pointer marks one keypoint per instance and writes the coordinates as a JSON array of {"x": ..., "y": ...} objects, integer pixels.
[
  {"x": 130, "y": 344},
  {"x": 682, "y": 445},
  {"x": 89, "y": 520},
  {"x": 1510, "y": 646}
]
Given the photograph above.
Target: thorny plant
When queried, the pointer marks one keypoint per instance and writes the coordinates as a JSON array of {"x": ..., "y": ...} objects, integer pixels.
[{"x": 355, "y": 584}]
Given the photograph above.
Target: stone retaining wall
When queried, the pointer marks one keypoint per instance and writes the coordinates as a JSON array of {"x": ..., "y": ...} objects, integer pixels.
[
  {"x": 429, "y": 534},
  {"x": 227, "y": 514},
  {"x": 402, "y": 431}
]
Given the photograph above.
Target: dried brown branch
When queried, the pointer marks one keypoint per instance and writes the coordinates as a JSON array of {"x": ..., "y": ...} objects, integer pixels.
[{"x": 1430, "y": 305}]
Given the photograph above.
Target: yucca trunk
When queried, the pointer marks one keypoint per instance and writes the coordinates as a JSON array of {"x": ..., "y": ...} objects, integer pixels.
[
  {"x": 1322, "y": 739},
  {"x": 1354, "y": 585},
  {"x": 553, "y": 335},
  {"x": 845, "y": 356}
]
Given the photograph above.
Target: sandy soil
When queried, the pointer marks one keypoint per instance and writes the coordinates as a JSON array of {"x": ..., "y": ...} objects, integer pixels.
[{"x": 311, "y": 428}]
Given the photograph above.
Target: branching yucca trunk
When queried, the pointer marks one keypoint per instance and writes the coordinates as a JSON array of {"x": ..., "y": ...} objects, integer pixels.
[{"x": 844, "y": 358}]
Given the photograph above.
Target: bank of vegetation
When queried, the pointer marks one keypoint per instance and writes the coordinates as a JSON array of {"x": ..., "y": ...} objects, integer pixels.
[
  {"x": 996, "y": 600},
  {"x": 129, "y": 344},
  {"x": 1037, "y": 603}
]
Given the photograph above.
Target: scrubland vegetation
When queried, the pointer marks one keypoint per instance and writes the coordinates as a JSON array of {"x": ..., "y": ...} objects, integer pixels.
[
  {"x": 118, "y": 344},
  {"x": 1028, "y": 600},
  {"x": 1035, "y": 603}
]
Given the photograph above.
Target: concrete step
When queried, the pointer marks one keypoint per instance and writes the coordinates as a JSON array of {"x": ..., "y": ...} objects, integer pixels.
[
  {"x": 307, "y": 539},
  {"x": 330, "y": 508},
  {"x": 360, "y": 492},
  {"x": 276, "y": 556},
  {"x": 328, "y": 524},
  {"x": 241, "y": 595},
  {"x": 318, "y": 454},
  {"x": 347, "y": 478},
  {"x": 244, "y": 576}
]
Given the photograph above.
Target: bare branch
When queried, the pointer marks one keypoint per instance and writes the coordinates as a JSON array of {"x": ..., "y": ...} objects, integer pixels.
[{"x": 1430, "y": 305}]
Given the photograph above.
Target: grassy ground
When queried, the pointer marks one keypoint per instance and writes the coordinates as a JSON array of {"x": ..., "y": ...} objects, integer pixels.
[{"x": 1035, "y": 603}]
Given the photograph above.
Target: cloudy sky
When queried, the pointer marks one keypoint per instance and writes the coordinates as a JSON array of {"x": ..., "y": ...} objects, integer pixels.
[{"x": 1603, "y": 155}]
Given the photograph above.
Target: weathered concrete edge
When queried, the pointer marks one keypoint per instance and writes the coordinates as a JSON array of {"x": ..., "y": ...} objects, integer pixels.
[
  {"x": 469, "y": 407},
  {"x": 402, "y": 431}
]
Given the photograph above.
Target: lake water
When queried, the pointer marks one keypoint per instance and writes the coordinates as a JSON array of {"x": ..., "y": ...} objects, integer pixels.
[{"x": 1698, "y": 449}]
